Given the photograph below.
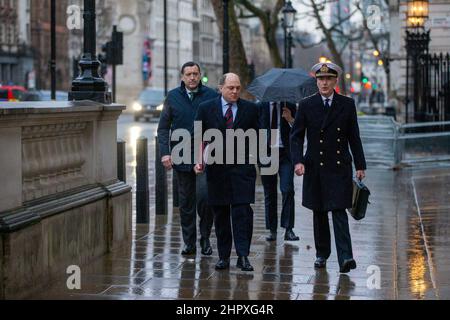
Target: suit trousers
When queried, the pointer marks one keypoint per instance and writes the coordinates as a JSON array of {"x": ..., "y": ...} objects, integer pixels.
[
  {"x": 341, "y": 235},
  {"x": 241, "y": 216},
  {"x": 193, "y": 195},
  {"x": 286, "y": 173}
]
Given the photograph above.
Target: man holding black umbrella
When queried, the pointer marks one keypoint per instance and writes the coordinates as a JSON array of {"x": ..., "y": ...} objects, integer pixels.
[
  {"x": 279, "y": 117},
  {"x": 330, "y": 122}
]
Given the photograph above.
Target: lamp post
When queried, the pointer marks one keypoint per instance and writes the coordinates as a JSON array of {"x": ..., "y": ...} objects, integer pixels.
[
  {"x": 166, "y": 77},
  {"x": 89, "y": 85},
  {"x": 53, "y": 49},
  {"x": 288, "y": 23},
  {"x": 417, "y": 41},
  {"x": 226, "y": 47}
]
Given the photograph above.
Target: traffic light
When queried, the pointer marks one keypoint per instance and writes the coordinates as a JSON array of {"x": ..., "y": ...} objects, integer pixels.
[
  {"x": 117, "y": 40},
  {"x": 113, "y": 50},
  {"x": 364, "y": 79},
  {"x": 205, "y": 79}
]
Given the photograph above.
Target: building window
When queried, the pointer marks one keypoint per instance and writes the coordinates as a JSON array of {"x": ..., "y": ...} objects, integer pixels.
[
  {"x": 206, "y": 4},
  {"x": 207, "y": 25},
  {"x": 207, "y": 49}
]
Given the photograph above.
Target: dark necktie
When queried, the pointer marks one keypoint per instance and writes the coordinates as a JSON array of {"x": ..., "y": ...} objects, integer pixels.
[
  {"x": 327, "y": 105},
  {"x": 274, "y": 123},
  {"x": 191, "y": 95},
  {"x": 229, "y": 117}
]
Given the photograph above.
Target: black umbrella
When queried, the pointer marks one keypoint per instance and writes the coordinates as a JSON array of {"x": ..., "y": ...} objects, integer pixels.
[{"x": 279, "y": 84}]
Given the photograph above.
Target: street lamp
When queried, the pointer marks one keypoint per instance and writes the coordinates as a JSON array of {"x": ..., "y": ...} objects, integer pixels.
[
  {"x": 89, "y": 85},
  {"x": 288, "y": 23},
  {"x": 417, "y": 41},
  {"x": 417, "y": 14}
]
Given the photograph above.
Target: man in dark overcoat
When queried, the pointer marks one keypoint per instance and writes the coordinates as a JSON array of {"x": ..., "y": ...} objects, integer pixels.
[
  {"x": 330, "y": 122},
  {"x": 180, "y": 107},
  {"x": 231, "y": 186}
]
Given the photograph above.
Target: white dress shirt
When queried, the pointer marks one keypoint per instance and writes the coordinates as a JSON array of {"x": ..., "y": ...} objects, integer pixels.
[
  {"x": 225, "y": 108},
  {"x": 330, "y": 99},
  {"x": 276, "y": 105}
]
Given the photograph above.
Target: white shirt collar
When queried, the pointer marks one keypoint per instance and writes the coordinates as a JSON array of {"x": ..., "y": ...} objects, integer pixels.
[
  {"x": 224, "y": 103},
  {"x": 330, "y": 99}
]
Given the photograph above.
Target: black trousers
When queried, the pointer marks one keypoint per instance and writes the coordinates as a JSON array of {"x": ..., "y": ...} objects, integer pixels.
[
  {"x": 341, "y": 235},
  {"x": 240, "y": 218},
  {"x": 193, "y": 196},
  {"x": 286, "y": 173}
]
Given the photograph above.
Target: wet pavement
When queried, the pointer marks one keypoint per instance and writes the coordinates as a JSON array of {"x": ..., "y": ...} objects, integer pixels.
[{"x": 404, "y": 239}]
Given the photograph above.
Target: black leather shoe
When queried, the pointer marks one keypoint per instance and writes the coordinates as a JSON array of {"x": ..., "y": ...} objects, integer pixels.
[
  {"x": 223, "y": 264},
  {"x": 206, "y": 247},
  {"x": 290, "y": 235},
  {"x": 272, "y": 236},
  {"x": 320, "y": 263},
  {"x": 188, "y": 249},
  {"x": 347, "y": 265},
  {"x": 244, "y": 264}
]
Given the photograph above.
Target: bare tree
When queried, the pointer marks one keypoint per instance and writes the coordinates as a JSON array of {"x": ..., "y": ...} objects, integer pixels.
[
  {"x": 269, "y": 20},
  {"x": 331, "y": 33},
  {"x": 238, "y": 59},
  {"x": 376, "y": 39}
]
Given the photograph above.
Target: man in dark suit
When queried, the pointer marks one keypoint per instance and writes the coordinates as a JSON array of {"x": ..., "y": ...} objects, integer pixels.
[
  {"x": 231, "y": 186},
  {"x": 279, "y": 116},
  {"x": 179, "y": 111},
  {"x": 331, "y": 126}
]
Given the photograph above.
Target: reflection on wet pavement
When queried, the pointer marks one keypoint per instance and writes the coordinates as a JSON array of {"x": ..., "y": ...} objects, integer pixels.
[{"x": 405, "y": 236}]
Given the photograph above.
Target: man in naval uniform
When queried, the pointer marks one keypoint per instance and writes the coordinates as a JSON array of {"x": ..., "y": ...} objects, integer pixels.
[{"x": 330, "y": 123}]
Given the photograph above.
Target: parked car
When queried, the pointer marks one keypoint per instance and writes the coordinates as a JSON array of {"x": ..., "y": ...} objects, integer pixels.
[
  {"x": 149, "y": 104},
  {"x": 11, "y": 93},
  {"x": 44, "y": 95}
]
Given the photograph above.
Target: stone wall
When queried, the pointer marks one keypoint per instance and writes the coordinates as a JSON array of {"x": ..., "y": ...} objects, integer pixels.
[{"x": 60, "y": 201}]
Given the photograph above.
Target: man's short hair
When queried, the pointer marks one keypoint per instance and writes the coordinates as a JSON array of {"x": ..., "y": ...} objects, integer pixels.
[
  {"x": 190, "y": 64},
  {"x": 222, "y": 79}
]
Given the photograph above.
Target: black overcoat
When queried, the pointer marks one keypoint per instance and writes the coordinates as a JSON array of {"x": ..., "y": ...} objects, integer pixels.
[
  {"x": 230, "y": 183},
  {"x": 327, "y": 183}
]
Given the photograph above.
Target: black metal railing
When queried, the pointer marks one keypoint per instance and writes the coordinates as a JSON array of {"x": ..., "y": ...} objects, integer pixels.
[{"x": 431, "y": 95}]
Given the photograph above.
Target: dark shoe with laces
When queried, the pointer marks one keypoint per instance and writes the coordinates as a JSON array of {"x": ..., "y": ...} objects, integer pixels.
[
  {"x": 188, "y": 250},
  {"x": 206, "y": 247},
  {"x": 272, "y": 236},
  {"x": 347, "y": 265},
  {"x": 222, "y": 264},
  {"x": 244, "y": 264},
  {"x": 320, "y": 263},
  {"x": 290, "y": 236}
]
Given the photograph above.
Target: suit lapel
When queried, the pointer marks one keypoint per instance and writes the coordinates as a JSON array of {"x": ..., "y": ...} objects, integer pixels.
[
  {"x": 219, "y": 113},
  {"x": 334, "y": 111},
  {"x": 239, "y": 114}
]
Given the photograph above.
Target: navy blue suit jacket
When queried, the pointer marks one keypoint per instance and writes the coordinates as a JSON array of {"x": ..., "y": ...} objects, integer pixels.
[
  {"x": 230, "y": 183},
  {"x": 179, "y": 113}
]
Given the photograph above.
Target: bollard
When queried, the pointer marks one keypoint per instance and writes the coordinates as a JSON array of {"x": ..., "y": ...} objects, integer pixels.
[
  {"x": 160, "y": 183},
  {"x": 175, "y": 200},
  {"x": 142, "y": 188},
  {"x": 121, "y": 161}
]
